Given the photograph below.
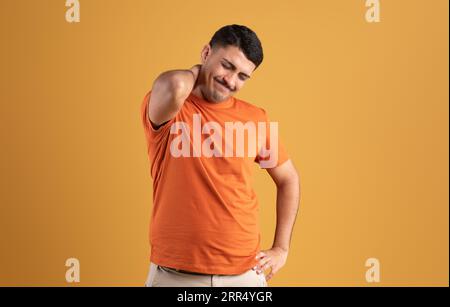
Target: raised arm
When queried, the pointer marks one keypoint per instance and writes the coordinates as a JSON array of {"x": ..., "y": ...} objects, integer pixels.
[{"x": 169, "y": 92}]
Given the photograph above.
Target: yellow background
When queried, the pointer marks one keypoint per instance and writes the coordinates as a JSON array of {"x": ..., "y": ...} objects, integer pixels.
[{"x": 362, "y": 107}]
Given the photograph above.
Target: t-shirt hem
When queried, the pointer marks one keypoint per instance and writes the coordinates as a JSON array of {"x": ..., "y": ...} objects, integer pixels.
[{"x": 212, "y": 269}]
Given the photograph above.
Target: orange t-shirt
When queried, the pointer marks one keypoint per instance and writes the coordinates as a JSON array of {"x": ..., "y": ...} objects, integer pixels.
[{"x": 205, "y": 211}]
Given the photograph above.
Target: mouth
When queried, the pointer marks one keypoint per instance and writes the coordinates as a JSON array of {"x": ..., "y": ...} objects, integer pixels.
[{"x": 221, "y": 86}]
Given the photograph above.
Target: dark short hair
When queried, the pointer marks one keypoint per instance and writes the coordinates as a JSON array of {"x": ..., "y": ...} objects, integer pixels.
[{"x": 243, "y": 38}]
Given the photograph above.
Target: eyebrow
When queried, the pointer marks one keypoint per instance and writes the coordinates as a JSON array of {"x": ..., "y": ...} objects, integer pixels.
[{"x": 234, "y": 67}]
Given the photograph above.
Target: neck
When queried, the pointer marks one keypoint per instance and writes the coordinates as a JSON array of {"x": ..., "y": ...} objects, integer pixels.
[{"x": 197, "y": 92}]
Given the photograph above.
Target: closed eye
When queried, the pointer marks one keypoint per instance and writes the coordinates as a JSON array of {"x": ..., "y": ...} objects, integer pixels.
[
  {"x": 230, "y": 66},
  {"x": 226, "y": 66},
  {"x": 243, "y": 78}
]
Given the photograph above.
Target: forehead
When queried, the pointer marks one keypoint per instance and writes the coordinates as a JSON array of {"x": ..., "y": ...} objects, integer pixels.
[{"x": 236, "y": 57}]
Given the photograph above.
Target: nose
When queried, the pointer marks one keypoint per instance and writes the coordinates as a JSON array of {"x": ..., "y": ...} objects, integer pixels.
[{"x": 230, "y": 80}]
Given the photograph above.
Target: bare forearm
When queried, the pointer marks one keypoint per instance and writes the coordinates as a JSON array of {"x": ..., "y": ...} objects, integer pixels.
[{"x": 288, "y": 196}]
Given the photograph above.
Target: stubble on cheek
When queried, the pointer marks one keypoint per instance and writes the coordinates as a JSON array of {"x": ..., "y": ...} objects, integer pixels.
[{"x": 217, "y": 96}]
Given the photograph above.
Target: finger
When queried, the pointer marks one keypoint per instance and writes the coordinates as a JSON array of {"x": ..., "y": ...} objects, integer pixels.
[
  {"x": 262, "y": 263},
  {"x": 269, "y": 276},
  {"x": 255, "y": 268},
  {"x": 266, "y": 266},
  {"x": 258, "y": 265},
  {"x": 260, "y": 255}
]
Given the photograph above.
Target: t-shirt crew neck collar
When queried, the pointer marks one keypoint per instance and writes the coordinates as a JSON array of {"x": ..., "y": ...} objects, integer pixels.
[{"x": 215, "y": 105}]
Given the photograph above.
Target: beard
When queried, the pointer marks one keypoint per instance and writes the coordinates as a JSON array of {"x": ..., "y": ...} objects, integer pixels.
[
  {"x": 218, "y": 97},
  {"x": 214, "y": 95},
  {"x": 210, "y": 92}
]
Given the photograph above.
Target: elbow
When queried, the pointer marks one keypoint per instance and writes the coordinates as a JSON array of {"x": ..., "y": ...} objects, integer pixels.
[
  {"x": 173, "y": 85},
  {"x": 295, "y": 178},
  {"x": 177, "y": 87},
  {"x": 290, "y": 180}
]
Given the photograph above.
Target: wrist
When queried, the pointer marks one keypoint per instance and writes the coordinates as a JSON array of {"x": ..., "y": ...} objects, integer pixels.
[{"x": 281, "y": 249}]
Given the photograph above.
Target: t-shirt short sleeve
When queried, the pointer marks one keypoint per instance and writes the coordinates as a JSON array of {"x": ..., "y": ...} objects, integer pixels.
[
  {"x": 152, "y": 134},
  {"x": 271, "y": 151}
]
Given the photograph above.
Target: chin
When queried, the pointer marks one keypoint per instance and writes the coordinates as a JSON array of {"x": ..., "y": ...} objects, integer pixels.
[
  {"x": 219, "y": 98},
  {"x": 215, "y": 96}
]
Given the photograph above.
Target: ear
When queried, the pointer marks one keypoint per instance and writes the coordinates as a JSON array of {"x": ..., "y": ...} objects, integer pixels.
[{"x": 206, "y": 52}]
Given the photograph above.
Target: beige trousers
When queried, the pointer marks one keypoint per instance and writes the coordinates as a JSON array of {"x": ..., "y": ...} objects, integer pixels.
[{"x": 160, "y": 276}]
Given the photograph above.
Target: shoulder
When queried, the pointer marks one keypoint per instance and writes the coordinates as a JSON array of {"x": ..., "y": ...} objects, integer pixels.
[{"x": 250, "y": 108}]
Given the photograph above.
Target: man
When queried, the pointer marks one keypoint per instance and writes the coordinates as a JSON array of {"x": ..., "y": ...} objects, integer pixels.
[{"x": 202, "y": 145}]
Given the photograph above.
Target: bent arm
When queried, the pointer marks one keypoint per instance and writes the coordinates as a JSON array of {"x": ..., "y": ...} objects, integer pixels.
[
  {"x": 287, "y": 181},
  {"x": 169, "y": 91}
]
